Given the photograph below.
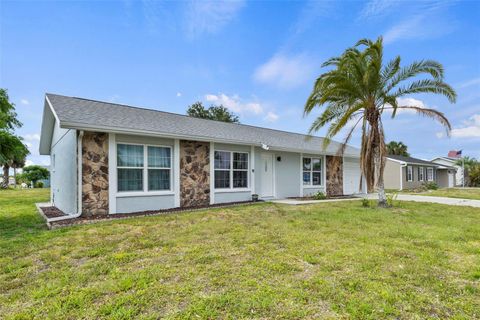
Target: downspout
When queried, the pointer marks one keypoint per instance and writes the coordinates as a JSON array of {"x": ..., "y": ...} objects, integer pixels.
[
  {"x": 403, "y": 165},
  {"x": 79, "y": 183}
]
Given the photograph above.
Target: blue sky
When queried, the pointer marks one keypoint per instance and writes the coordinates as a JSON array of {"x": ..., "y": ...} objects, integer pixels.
[{"x": 257, "y": 58}]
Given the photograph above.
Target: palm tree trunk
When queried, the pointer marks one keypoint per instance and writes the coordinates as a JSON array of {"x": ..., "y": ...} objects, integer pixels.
[
  {"x": 382, "y": 198},
  {"x": 6, "y": 169}
]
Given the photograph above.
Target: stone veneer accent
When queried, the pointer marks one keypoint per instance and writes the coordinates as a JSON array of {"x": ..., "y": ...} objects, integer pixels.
[
  {"x": 94, "y": 174},
  {"x": 194, "y": 173},
  {"x": 334, "y": 167}
]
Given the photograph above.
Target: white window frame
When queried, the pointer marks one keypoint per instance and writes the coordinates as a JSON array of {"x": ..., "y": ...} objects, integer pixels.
[
  {"x": 145, "y": 169},
  {"x": 421, "y": 174},
  {"x": 231, "y": 170},
  {"x": 409, "y": 173},
  {"x": 322, "y": 178},
  {"x": 430, "y": 170}
]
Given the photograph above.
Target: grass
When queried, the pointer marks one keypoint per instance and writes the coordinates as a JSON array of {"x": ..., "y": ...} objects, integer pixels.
[
  {"x": 331, "y": 260},
  {"x": 467, "y": 193}
]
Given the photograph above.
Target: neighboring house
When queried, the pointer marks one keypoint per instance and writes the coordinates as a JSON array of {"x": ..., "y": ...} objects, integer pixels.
[
  {"x": 410, "y": 173},
  {"x": 108, "y": 158},
  {"x": 451, "y": 162},
  {"x": 11, "y": 180}
]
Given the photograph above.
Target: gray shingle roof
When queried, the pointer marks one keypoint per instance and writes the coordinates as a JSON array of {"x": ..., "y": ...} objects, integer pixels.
[
  {"x": 412, "y": 160},
  {"x": 82, "y": 113}
]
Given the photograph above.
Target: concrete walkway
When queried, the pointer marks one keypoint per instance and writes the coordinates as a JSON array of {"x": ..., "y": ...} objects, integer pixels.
[
  {"x": 401, "y": 197},
  {"x": 440, "y": 200}
]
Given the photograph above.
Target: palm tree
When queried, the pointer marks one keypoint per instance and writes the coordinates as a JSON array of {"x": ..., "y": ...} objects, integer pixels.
[
  {"x": 397, "y": 148},
  {"x": 357, "y": 91},
  {"x": 12, "y": 154}
]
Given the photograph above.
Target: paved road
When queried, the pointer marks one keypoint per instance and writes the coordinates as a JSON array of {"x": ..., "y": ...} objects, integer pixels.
[{"x": 441, "y": 200}]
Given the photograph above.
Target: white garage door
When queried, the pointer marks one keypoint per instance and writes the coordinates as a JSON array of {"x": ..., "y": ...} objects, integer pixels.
[{"x": 351, "y": 175}]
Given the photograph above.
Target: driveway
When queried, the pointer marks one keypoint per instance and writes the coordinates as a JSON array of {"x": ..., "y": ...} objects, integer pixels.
[{"x": 441, "y": 200}]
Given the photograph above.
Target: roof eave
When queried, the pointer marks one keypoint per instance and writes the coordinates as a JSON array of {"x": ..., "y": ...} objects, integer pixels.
[
  {"x": 117, "y": 130},
  {"x": 48, "y": 122}
]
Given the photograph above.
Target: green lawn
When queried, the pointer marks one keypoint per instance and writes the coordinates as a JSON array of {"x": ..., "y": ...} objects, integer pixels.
[
  {"x": 331, "y": 260},
  {"x": 467, "y": 193}
]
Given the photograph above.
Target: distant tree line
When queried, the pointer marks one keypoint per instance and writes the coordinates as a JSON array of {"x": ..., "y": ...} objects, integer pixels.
[{"x": 214, "y": 112}]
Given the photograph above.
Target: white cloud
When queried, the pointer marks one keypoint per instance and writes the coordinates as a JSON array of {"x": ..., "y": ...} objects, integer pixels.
[
  {"x": 29, "y": 163},
  {"x": 310, "y": 14},
  {"x": 179, "y": 94},
  {"x": 440, "y": 134},
  {"x": 407, "y": 102},
  {"x": 271, "y": 117},
  {"x": 25, "y": 102},
  {"x": 470, "y": 128},
  {"x": 32, "y": 137},
  {"x": 469, "y": 83},
  {"x": 286, "y": 71},
  {"x": 375, "y": 8},
  {"x": 234, "y": 103},
  {"x": 404, "y": 30},
  {"x": 422, "y": 20},
  {"x": 209, "y": 16}
]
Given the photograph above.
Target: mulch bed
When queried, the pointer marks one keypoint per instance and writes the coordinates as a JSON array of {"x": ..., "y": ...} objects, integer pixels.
[
  {"x": 52, "y": 212},
  {"x": 91, "y": 219},
  {"x": 328, "y": 198}
]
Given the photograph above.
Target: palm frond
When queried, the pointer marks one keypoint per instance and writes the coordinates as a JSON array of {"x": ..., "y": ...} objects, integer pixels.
[
  {"x": 431, "y": 67},
  {"x": 428, "y": 86},
  {"x": 431, "y": 113}
]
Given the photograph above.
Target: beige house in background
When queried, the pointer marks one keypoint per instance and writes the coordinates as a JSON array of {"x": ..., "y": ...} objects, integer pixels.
[
  {"x": 410, "y": 173},
  {"x": 451, "y": 162}
]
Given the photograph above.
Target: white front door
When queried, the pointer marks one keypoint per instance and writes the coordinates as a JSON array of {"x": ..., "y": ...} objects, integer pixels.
[
  {"x": 266, "y": 174},
  {"x": 451, "y": 177}
]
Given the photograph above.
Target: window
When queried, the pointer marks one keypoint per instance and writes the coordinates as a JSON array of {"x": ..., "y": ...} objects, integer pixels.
[
  {"x": 430, "y": 174},
  {"x": 409, "y": 173},
  {"x": 420, "y": 174},
  {"x": 312, "y": 171},
  {"x": 159, "y": 159},
  {"x": 135, "y": 163},
  {"x": 231, "y": 170}
]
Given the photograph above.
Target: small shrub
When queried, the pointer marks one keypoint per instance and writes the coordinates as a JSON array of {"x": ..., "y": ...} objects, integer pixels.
[
  {"x": 391, "y": 199},
  {"x": 365, "y": 203},
  {"x": 39, "y": 184},
  {"x": 319, "y": 196},
  {"x": 430, "y": 185}
]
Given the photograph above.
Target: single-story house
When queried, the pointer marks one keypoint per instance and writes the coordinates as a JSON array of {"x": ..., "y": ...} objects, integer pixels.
[
  {"x": 410, "y": 173},
  {"x": 108, "y": 158},
  {"x": 451, "y": 162}
]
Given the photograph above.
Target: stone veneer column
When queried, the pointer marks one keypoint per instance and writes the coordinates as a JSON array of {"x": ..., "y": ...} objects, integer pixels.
[
  {"x": 334, "y": 167},
  {"x": 194, "y": 173},
  {"x": 94, "y": 174}
]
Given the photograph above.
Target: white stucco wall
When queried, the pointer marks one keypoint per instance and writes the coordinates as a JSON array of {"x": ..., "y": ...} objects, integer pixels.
[{"x": 63, "y": 159}]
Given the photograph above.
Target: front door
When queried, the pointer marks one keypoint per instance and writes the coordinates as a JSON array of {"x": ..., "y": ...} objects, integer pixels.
[
  {"x": 266, "y": 173},
  {"x": 451, "y": 177}
]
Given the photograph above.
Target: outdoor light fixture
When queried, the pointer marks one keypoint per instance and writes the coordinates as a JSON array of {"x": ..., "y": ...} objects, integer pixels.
[
  {"x": 265, "y": 147},
  {"x": 279, "y": 158}
]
